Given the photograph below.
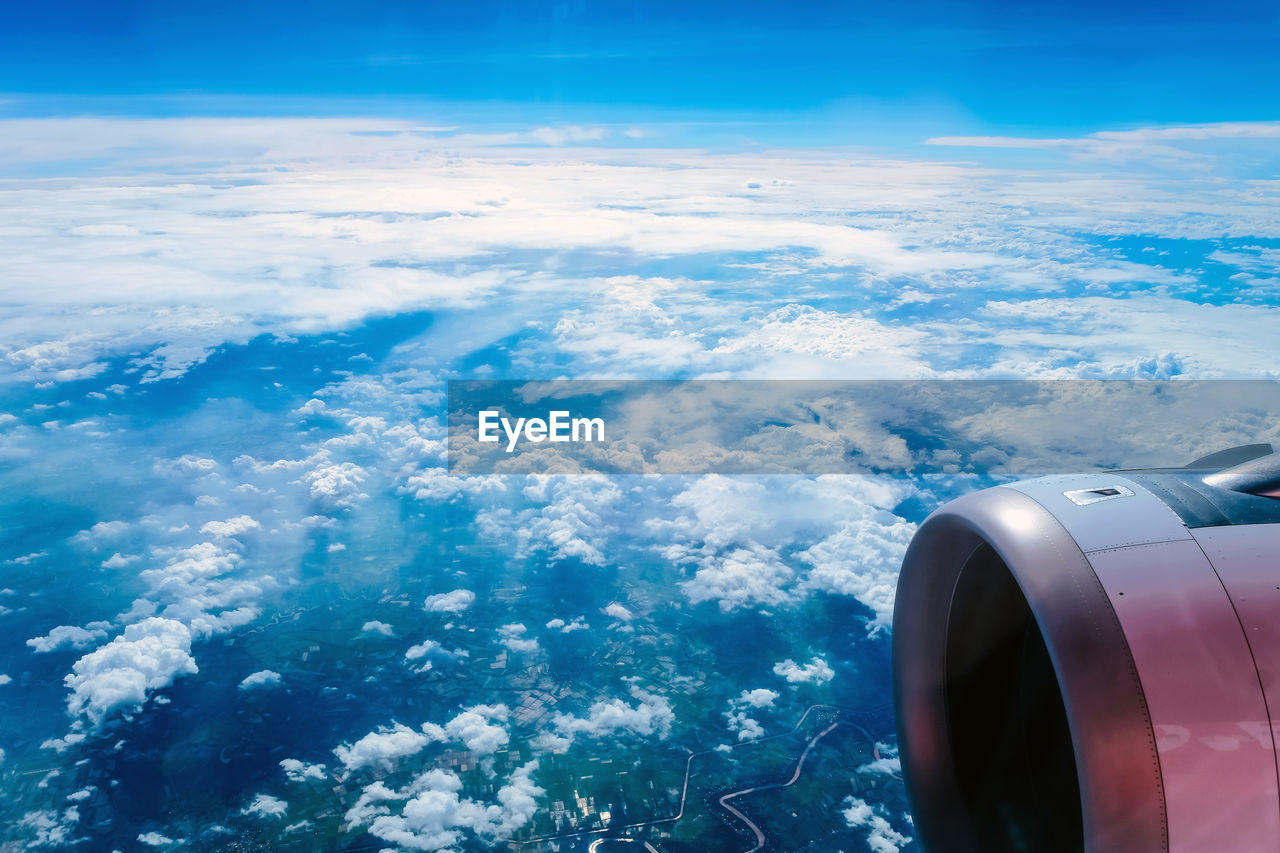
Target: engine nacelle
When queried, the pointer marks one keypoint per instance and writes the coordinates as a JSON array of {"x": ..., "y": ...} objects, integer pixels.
[{"x": 1092, "y": 663}]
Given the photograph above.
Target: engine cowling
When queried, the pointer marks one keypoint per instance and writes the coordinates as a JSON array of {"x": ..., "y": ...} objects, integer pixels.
[{"x": 1092, "y": 663}]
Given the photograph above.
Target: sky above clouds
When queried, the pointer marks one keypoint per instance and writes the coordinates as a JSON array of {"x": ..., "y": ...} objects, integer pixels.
[{"x": 851, "y": 72}]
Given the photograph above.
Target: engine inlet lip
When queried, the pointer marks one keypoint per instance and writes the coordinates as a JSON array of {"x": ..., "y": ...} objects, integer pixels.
[{"x": 1121, "y": 790}]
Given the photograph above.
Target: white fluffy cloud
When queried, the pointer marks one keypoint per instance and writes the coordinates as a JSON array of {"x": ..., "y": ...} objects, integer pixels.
[
  {"x": 513, "y": 637},
  {"x": 120, "y": 675},
  {"x": 861, "y": 560},
  {"x": 300, "y": 771},
  {"x": 761, "y": 697},
  {"x": 815, "y": 672},
  {"x": 336, "y": 485},
  {"x": 881, "y": 836},
  {"x": 201, "y": 587},
  {"x": 479, "y": 728},
  {"x": 429, "y": 651},
  {"x": 260, "y": 679},
  {"x": 334, "y": 213},
  {"x": 745, "y": 726},
  {"x": 156, "y": 839},
  {"x": 803, "y": 335},
  {"x": 422, "y": 649},
  {"x": 230, "y": 527},
  {"x": 67, "y": 635},
  {"x": 265, "y": 805},
  {"x": 382, "y": 748},
  {"x": 618, "y": 611},
  {"x": 379, "y": 628},
  {"x": 454, "y": 601},
  {"x": 578, "y": 624},
  {"x": 101, "y": 531},
  {"x": 1098, "y": 337},
  {"x": 735, "y": 530},
  {"x": 432, "y": 814},
  {"x": 572, "y": 519},
  {"x": 650, "y": 716},
  {"x": 50, "y": 828},
  {"x": 888, "y": 766},
  {"x": 741, "y": 577}
]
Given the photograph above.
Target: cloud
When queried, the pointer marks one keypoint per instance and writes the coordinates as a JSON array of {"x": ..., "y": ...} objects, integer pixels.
[
  {"x": 230, "y": 527},
  {"x": 512, "y": 636},
  {"x": 455, "y": 601},
  {"x": 881, "y": 836},
  {"x": 66, "y": 635},
  {"x": 382, "y": 748},
  {"x": 741, "y": 577},
  {"x": 99, "y": 531},
  {"x": 861, "y": 560},
  {"x": 734, "y": 530},
  {"x": 571, "y": 133},
  {"x": 50, "y": 828},
  {"x": 262, "y": 678},
  {"x": 650, "y": 716},
  {"x": 120, "y": 675},
  {"x": 299, "y": 771},
  {"x": 572, "y": 521},
  {"x": 747, "y": 728},
  {"x": 1160, "y": 144},
  {"x": 336, "y": 485},
  {"x": 578, "y": 624},
  {"x": 422, "y": 649},
  {"x": 761, "y": 697},
  {"x": 887, "y": 766},
  {"x": 618, "y": 611},
  {"x": 799, "y": 332},
  {"x": 156, "y": 839},
  {"x": 376, "y": 627},
  {"x": 815, "y": 672},
  {"x": 92, "y": 283},
  {"x": 62, "y": 744},
  {"x": 478, "y": 730},
  {"x": 265, "y": 805},
  {"x": 1097, "y": 334},
  {"x": 432, "y": 651},
  {"x": 199, "y": 586},
  {"x": 431, "y": 813}
]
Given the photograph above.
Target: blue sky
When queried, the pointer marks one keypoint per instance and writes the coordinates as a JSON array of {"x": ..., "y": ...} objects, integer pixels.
[{"x": 857, "y": 69}]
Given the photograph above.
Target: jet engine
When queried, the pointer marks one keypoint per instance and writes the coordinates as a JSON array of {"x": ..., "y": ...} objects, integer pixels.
[{"x": 1092, "y": 663}]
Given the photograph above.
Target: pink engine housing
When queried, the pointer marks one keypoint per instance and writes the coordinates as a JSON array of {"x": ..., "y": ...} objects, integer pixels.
[{"x": 1092, "y": 663}]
